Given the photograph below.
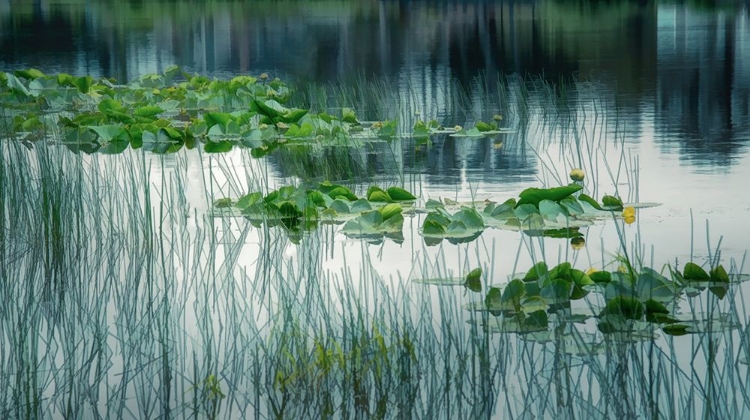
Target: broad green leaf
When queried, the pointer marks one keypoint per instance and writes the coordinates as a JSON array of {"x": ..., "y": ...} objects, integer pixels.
[
  {"x": 342, "y": 192},
  {"x": 83, "y": 83},
  {"x": 388, "y": 129},
  {"x": 249, "y": 199},
  {"x": 390, "y": 210},
  {"x": 400, "y": 194},
  {"x": 572, "y": 205},
  {"x": 218, "y": 146},
  {"x": 340, "y": 206},
  {"x": 214, "y": 118},
  {"x": 585, "y": 198},
  {"x": 718, "y": 274},
  {"x": 524, "y": 210},
  {"x": 537, "y": 271},
  {"x": 654, "y": 286},
  {"x": 601, "y": 276},
  {"x": 360, "y": 206},
  {"x": 108, "y": 104},
  {"x": 612, "y": 202},
  {"x": 474, "y": 280},
  {"x": 30, "y": 74},
  {"x": 534, "y": 222},
  {"x": 556, "y": 290},
  {"x": 534, "y": 196},
  {"x": 110, "y": 132},
  {"x": 295, "y": 131},
  {"x": 656, "y": 311},
  {"x": 513, "y": 293},
  {"x": 148, "y": 111},
  {"x": 470, "y": 218},
  {"x": 483, "y": 126},
  {"x": 580, "y": 280},
  {"x": 349, "y": 116},
  {"x": 552, "y": 211},
  {"x": 536, "y": 320},
  {"x": 694, "y": 272},
  {"x": 31, "y": 124},
  {"x": 433, "y": 228},
  {"x": 379, "y": 197},
  {"x": 625, "y": 307},
  {"x": 16, "y": 85}
]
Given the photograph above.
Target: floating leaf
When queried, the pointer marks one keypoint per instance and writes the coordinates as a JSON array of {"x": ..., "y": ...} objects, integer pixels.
[
  {"x": 473, "y": 280},
  {"x": 537, "y": 271},
  {"x": 586, "y": 199},
  {"x": 611, "y": 202},
  {"x": 513, "y": 293},
  {"x": 625, "y": 307},
  {"x": 534, "y": 196},
  {"x": 718, "y": 274},
  {"x": 30, "y": 74},
  {"x": 248, "y": 200},
  {"x": 110, "y": 132},
  {"x": 148, "y": 111},
  {"x": 556, "y": 290},
  {"x": 83, "y": 83},
  {"x": 694, "y": 272},
  {"x": 390, "y": 210},
  {"x": 400, "y": 194}
]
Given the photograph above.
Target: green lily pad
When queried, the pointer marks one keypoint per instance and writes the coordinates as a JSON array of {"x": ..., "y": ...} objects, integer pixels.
[{"x": 534, "y": 196}]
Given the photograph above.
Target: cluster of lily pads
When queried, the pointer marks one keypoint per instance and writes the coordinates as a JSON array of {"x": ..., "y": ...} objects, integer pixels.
[
  {"x": 636, "y": 302},
  {"x": 553, "y": 212},
  {"x": 163, "y": 113},
  {"x": 377, "y": 215},
  {"x": 425, "y": 129}
]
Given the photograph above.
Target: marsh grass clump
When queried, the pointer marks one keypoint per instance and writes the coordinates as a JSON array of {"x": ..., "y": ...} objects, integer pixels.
[{"x": 126, "y": 291}]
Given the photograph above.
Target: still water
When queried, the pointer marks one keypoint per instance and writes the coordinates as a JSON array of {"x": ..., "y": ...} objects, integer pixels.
[
  {"x": 672, "y": 79},
  {"x": 661, "y": 90}
]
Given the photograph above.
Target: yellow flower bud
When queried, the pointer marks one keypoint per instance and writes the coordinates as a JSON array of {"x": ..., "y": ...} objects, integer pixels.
[
  {"x": 263, "y": 76},
  {"x": 458, "y": 128},
  {"x": 577, "y": 174}
]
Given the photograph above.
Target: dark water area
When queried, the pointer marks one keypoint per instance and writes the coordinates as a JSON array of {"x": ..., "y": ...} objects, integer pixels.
[{"x": 685, "y": 66}]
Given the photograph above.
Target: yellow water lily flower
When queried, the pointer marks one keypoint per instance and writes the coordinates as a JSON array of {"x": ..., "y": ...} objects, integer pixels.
[
  {"x": 497, "y": 117},
  {"x": 263, "y": 76},
  {"x": 591, "y": 271},
  {"x": 577, "y": 174},
  {"x": 497, "y": 146},
  {"x": 458, "y": 128},
  {"x": 629, "y": 215}
]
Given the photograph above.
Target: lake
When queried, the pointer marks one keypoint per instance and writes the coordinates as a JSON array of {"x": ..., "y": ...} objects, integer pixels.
[{"x": 133, "y": 290}]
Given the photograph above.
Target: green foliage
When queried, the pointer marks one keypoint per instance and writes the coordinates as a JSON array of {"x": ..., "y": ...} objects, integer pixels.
[{"x": 534, "y": 196}]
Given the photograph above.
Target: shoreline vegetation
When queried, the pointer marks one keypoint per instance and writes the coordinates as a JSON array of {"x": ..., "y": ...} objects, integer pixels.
[{"x": 121, "y": 298}]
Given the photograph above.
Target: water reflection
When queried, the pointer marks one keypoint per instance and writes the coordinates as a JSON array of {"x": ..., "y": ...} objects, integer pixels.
[{"x": 693, "y": 64}]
